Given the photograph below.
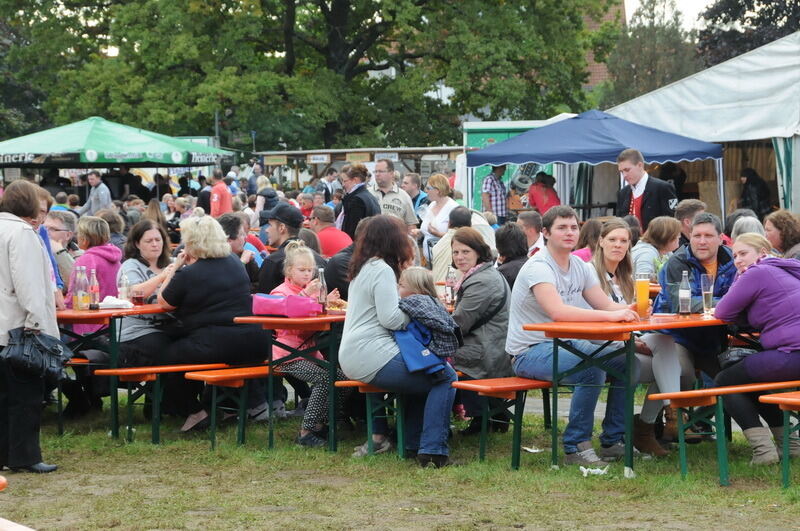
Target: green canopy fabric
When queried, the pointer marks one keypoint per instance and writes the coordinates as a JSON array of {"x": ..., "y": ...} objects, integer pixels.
[{"x": 96, "y": 142}]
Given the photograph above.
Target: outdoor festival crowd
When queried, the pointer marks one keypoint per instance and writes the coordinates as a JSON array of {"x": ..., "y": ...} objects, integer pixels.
[{"x": 412, "y": 263}]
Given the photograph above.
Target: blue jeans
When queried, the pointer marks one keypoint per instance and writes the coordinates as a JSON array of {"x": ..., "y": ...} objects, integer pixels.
[
  {"x": 537, "y": 363},
  {"x": 428, "y": 404}
]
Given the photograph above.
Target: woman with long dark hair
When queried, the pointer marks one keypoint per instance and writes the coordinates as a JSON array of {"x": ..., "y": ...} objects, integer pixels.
[{"x": 369, "y": 352}]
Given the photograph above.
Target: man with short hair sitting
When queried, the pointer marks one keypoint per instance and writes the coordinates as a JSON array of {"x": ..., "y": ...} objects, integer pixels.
[
  {"x": 552, "y": 286},
  {"x": 331, "y": 239}
]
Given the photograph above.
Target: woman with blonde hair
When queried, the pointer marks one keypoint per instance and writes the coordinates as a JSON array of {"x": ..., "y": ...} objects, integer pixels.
[
  {"x": 206, "y": 290},
  {"x": 656, "y": 245},
  {"x": 418, "y": 280},
  {"x": 437, "y": 218},
  {"x": 764, "y": 295}
]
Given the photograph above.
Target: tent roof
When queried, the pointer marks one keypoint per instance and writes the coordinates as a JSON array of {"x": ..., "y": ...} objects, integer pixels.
[
  {"x": 96, "y": 142},
  {"x": 750, "y": 97},
  {"x": 593, "y": 137}
]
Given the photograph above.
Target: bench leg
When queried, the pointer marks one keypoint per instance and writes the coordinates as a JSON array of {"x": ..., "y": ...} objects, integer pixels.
[
  {"x": 60, "y": 408},
  {"x": 681, "y": 442},
  {"x": 113, "y": 380},
  {"x": 722, "y": 444},
  {"x": 129, "y": 408},
  {"x": 370, "y": 422},
  {"x": 787, "y": 428},
  {"x": 546, "y": 408},
  {"x": 400, "y": 424},
  {"x": 554, "y": 416},
  {"x": 516, "y": 440},
  {"x": 213, "y": 430},
  {"x": 630, "y": 388},
  {"x": 240, "y": 429},
  {"x": 270, "y": 397},
  {"x": 155, "y": 421},
  {"x": 484, "y": 427}
]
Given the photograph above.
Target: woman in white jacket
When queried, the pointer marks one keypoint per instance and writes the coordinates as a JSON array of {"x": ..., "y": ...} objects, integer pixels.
[{"x": 26, "y": 299}]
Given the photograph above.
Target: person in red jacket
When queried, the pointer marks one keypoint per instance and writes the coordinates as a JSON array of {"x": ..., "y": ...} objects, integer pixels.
[
  {"x": 541, "y": 195},
  {"x": 331, "y": 239},
  {"x": 221, "y": 202}
]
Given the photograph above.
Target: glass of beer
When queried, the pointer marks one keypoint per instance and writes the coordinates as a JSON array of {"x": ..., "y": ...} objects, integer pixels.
[
  {"x": 642, "y": 294},
  {"x": 137, "y": 296},
  {"x": 707, "y": 287}
]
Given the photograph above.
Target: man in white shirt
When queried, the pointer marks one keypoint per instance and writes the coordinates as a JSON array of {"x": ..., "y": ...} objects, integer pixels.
[
  {"x": 393, "y": 200},
  {"x": 551, "y": 286},
  {"x": 644, "y": 197},
  {"x": 531, "y": 223},
  {"x": 99, "y": 197}
]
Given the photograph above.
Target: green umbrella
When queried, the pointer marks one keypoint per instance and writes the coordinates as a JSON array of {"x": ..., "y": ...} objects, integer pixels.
[{"x": 96, "y": 142}]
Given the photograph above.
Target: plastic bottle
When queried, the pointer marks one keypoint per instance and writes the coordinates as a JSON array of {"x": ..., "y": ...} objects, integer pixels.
[
  {"x": 322, "y": 296},
  {"x": 123, "y": 287},
  {"x": 82, "y": 288},
  {"x": 94, "y": 289},
  {"x": 450, "y": 286},
  {"x": 684, "y": 295}
]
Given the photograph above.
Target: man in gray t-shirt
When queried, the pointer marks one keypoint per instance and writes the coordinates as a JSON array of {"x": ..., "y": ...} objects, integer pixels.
[{"x": 551, "y": 286}]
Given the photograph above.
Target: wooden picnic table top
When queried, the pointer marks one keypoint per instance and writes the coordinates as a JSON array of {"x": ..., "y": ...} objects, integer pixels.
[
  {"x": 791, "y": 399},
  {"x": 268, "y": 322},
  {"x": 104, "y": 316},
  {"x": 727, "y": 390},
  {"x": 619, "y": 331}
]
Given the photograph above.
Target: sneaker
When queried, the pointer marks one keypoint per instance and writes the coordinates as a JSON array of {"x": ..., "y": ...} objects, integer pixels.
[
  {"x": 259, "y": 413},
  {"x": 584, "y": 456},
  {"x": 310, "y": 440},
  {"x": 615, "y": 451},
  {"x": 377, "y": 448},
  {"x": 279, "y": 409}
]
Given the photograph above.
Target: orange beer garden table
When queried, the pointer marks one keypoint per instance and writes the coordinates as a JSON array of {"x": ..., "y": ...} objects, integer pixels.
[
  {"x": 110, "y": 319},
  {"x": 562, "y": 331},
  {"x": 330, "y": 344}
]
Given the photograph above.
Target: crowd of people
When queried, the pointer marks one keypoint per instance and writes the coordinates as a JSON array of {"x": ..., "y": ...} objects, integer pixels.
[{"x": 400, "y": 251}]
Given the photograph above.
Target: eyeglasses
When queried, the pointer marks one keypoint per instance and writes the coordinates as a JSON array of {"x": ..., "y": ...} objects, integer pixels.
[{"x": 429, "y": 187}]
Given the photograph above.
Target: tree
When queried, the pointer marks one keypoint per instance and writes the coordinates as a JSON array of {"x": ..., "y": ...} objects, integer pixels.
[
  {"x": 305, "y": 73},
  {"x": 738, "y": 26},
  {"x": 651, "y": 53}
]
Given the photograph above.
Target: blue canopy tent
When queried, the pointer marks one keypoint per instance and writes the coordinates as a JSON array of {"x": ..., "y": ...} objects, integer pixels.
[{"x": 594, "y": 137}]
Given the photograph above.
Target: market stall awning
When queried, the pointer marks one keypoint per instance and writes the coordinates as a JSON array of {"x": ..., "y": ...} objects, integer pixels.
[
  {"x": 96, "y": 142},
  {"x": 592, "y": 137}
]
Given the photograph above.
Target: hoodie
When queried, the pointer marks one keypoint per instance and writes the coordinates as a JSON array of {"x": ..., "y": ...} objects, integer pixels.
[
  {"x": 105, "y": 260},
  {"x": 765, "y": 297}
]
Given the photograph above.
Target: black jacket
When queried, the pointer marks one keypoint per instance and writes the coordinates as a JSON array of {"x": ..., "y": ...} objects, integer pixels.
[
  {"x": 358, "y": 205},
  {"x": 659, "y": 199},
  {"x": 270, "y": 276},
  {"x": 336, "y": 271}
]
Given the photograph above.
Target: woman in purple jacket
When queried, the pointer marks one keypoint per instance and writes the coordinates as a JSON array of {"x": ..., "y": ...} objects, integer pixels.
[{"x": 764, "y": 296}]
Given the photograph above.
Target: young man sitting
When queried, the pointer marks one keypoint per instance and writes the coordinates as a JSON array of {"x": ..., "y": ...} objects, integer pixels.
[{"x": 551, "y": 286}]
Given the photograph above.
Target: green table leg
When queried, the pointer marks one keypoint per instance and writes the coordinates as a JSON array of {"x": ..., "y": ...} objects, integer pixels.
[
  {"x": 400, "y": 424},
  {"x": 787, "y": 430},
  {"x": 516, "y": 439},
  {"x": 112, "y": 380},
  {"x": 546, "y": 408},
  {"x": 213, "y": 421},
  {"x": 129, "y": 409},
  {"x": 681, "y": 442},
  {"x": 270, "y": 394},
  {"x": 630, "y": 359},
  {"x": 240, "y": 431},
  {"x": 722, "y": 444},
  {"x": 370, "y": 422},
  {"x": 333, "y": 397},
  {"x": 155, "y": 421},
  {"x": 554, "y": 416}
]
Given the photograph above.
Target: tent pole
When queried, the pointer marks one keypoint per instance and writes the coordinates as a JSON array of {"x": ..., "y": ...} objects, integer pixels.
[{"x": 720, "y": 186}]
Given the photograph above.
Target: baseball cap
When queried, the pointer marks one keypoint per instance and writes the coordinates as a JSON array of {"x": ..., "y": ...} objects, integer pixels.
[
  {"x": 231, "y": 174},
  {"x": 285, "y": 213}
]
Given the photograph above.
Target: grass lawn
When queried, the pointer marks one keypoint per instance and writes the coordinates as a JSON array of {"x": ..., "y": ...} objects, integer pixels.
[{"x": 181, "y": 484}]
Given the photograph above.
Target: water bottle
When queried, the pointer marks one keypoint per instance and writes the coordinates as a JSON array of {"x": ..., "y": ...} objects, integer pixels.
[
  {"x": 322, "y": 296},
  {"x": 685, "y": 295},
  {"x": 450, "y": 286},
  {"x": 82, "y": 289},
  {"x": 94, "y": 289},
  {"x": 123, "y": 287}
]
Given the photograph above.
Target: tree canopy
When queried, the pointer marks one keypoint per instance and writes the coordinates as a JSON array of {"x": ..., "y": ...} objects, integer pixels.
[
  {"x": 302, "y": 74},
  {"x": 734, "y": 27}
]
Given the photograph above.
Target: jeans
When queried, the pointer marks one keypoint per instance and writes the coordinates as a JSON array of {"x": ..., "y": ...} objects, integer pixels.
[
  {"x": 537, "y": 363},
  {"x": 428, "y": 404}
]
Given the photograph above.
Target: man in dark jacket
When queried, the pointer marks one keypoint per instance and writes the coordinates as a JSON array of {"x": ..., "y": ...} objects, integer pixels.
[
  {"x": 645, "y": 196},
  {"x": 705, "y": 254},
  {"x": 284, "y": 224}
]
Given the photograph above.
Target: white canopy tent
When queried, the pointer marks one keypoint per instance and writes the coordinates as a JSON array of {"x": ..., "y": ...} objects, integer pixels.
[{"x": 751, "y": 97}]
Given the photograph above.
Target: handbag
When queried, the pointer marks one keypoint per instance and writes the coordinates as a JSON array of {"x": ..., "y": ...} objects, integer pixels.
[
  {"x": 287, "y": 306},
  {"x": 732, "y": 356},
  {"x": 36, "y": 355}
]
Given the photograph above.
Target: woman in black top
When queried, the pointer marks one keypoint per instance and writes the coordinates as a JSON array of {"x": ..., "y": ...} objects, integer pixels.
[
  {"x": 358, "y": 202},
  {"x": 207, "y": 289},
  {"x": 755, "y": 193}
]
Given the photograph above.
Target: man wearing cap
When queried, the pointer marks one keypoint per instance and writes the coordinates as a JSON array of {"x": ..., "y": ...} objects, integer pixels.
[
  {"x": 284, "y": 225},
  {"x": 331, "y": 239},
  {"x": 220, "y": 196},
  {"x": 393, "y": 200}
]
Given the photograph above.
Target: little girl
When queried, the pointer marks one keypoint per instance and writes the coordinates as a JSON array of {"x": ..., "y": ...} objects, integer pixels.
[{"x": 299, "y": 268}]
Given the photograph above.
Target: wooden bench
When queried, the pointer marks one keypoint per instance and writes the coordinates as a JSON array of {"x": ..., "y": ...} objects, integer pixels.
[
  {"x": 790, "y": 405},
  {"x": 73, "y": 362},
  {"x": 512, "y": 392},
  {"x": 230, "y": 379},
  {"x": 394, "y": 402},
  {"x": 684, "y": 400},
  {"x": 146, "y": 381}
]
